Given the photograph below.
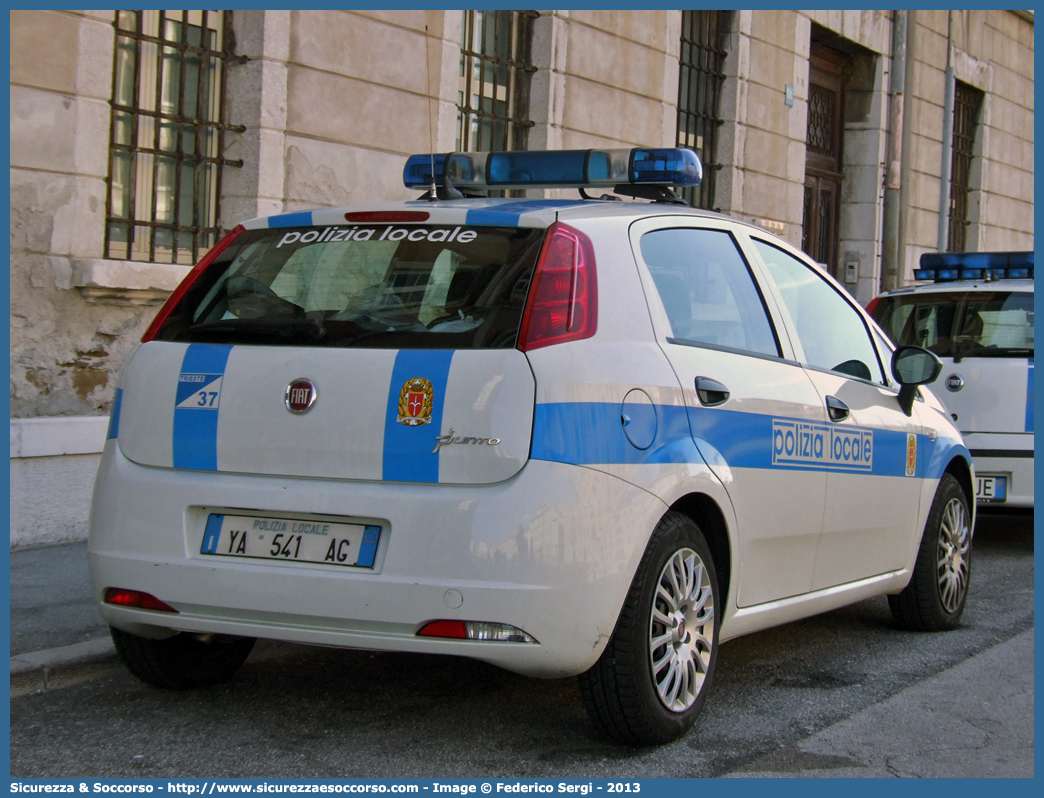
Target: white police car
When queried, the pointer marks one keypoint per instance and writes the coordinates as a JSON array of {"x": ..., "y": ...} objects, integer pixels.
[
  {"x": 564, "y": 437},
  {"x": 977, "y": 316}
]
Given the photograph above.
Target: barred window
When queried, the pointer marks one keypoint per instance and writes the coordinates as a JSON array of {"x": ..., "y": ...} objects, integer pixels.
[
  {"x": 702, "y": 65},
  {"x": 495, "y": 71},
  {"x": 166, "y": 149},
  {"x": 966, "y": 104}
]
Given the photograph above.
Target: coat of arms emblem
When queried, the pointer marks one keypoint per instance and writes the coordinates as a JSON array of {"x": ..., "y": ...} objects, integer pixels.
[{"x": 415, "y": 402}]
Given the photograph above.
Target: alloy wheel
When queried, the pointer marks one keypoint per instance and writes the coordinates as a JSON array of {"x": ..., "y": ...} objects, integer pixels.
[
  {"x": 954, "y": 546},
  {"x": 681, "y": 630}
]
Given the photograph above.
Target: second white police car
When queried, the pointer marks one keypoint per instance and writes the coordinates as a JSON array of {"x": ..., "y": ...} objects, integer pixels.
[
  {"x": 567, "y": 437},
  {"x": 976, "y": 314}
]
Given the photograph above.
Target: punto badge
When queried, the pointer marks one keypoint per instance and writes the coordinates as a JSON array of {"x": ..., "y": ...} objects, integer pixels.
[{"x": 415, "y": 402}]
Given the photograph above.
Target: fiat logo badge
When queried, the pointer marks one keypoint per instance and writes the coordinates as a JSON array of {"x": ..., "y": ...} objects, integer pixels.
[
  {"x": 954, "y": 382},
  {"x": 300, "y": 395}
]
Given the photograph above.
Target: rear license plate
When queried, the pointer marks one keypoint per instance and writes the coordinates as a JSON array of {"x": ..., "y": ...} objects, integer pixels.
[
  {"x": 991, "y": 489},
  {"x": 285, "y": 540}
]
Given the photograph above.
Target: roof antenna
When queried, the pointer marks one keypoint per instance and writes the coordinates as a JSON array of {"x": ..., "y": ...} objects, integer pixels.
[{"x": 431, "y": 135}]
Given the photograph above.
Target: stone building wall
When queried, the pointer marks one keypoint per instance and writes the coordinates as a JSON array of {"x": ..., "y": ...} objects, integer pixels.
[{"x": 993, "y": 52}]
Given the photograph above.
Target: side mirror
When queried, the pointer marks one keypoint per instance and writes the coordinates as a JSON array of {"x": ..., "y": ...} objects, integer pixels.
[{"x": 913, "y": 366}]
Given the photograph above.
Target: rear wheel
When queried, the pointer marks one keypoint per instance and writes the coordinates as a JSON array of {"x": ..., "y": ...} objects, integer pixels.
[
  {"x": 653, "y": 677},
  {"x": 184, "y": 661},
  {"x": 935, "y": 598}
]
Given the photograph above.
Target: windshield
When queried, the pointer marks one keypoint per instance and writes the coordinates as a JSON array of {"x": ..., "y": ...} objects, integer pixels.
[
  {"x": 961, "y": 324},
  {"x": 387, "y": 286}
]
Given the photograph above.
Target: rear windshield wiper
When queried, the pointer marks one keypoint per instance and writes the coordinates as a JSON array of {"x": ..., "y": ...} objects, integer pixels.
[
  {"x": 286, "y": 329},
  {"x": 993, "y": 351}
]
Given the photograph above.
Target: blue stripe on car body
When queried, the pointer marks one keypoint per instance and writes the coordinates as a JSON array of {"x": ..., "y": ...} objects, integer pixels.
[
  {"x": 302, "y": 219},
  {"x": 588, "y": 433},
  {"x": 507, "y": 214},
  {"x": 196, "y": 419},
  {"x": 583, "y": 433},
  {"x": 409, "y": 450},
  {"x": 114, "y": 416}
]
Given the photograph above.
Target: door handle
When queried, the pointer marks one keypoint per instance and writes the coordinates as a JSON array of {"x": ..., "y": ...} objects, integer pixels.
[
  {"x": 711, "y": 393},
  {"x": 836, "y": 409}
]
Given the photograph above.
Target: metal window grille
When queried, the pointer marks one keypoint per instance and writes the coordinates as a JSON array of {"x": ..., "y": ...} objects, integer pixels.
[
  {"x": 702, "y": 72},
  {"x": 966, "y": 104},
  {"x": 822, "y": 138},
  {"x": 166, "y": 147},
  {"x": 495, "y": 71}
]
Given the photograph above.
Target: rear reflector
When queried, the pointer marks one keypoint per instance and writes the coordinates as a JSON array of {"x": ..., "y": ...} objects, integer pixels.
[
  {"x": 444, "y": 629},
  {"x": 476, "y": 630},
  {"x": 563, "y": 302},
  {"x": 137, "y": 599},
  {"x": 186, "y": 284},
  {"x": 376, "y": 217}
]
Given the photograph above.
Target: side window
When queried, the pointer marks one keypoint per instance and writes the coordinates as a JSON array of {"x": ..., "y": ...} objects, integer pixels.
[
  {"x": 831, "y": 331},
  {"x": 707, "y": 289}
]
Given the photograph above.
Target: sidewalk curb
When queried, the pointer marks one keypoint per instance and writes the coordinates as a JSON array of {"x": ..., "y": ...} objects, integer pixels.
[{"x": 39, "y": 670}]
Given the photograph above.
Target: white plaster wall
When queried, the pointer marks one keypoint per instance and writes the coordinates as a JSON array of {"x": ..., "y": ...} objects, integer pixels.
[
  {"x": 53, "y": 465},
  {"x": 51, "y": 498}
]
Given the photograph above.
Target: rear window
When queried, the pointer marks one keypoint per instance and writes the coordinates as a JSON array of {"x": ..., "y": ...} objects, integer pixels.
[
  {"x": 386, "y": 286},
  {"x": 961, "y": 324}
]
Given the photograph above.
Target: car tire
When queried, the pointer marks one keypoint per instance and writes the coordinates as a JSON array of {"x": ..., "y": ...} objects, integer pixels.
[
  {"x": 184, "y": 661},
  {"x": 652, "y": 680},
  {"x": 938, "y": 590}
]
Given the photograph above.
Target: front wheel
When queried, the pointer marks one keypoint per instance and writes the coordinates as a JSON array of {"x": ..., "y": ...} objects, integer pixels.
[
  {"x": 938, "y": 590},
  {"x": 653, "y": 677},
  {"x": 184, "y": 661}
]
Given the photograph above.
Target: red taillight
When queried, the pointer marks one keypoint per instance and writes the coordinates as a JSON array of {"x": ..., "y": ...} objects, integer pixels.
[
  {"x": 445, "y": 629},
  {"x": 376, "y": 217},
  {"x": 136, "y": 599},
  {"x": 563, "y": 301},
  {"x": 872, "y": 304},
  {"x": 186, "y": 284}
]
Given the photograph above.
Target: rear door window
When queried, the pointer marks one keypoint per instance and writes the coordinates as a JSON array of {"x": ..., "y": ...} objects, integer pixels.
[
  {"x": 387, "y": 286},
  {"x": 707, "y": 290}
]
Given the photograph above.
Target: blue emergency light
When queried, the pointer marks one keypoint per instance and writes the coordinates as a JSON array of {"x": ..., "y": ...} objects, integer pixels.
[
  {"x": 481, "y": 171},
  {"x": 943, "y": 267}
]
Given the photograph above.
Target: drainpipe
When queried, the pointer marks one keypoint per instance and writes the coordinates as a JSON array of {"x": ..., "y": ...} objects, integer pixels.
[
  {"x": 890, "y": 254},
  {"x": 904, "y": 166},
  {"x": 947, "y": 143}
]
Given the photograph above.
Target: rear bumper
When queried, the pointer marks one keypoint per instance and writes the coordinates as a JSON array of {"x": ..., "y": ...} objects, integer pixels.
[
  {"x": 1003, "y": 454},
  {"x": 551, "y": 551}
]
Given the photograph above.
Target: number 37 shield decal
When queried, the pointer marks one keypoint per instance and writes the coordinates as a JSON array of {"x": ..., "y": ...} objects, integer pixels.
[
  {"x": 415, "y": 402},
  {"x": 198, "y": 391}
]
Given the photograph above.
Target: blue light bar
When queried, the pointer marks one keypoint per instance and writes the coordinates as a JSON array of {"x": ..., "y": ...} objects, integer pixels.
[
  {"x": 418, "y": 170},
  {"x": 479, "y": 171},
  {"x": 949, "y": 266}
]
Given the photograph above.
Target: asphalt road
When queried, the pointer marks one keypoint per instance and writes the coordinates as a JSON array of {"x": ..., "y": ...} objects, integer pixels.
[{"x": 310, "y": 712}]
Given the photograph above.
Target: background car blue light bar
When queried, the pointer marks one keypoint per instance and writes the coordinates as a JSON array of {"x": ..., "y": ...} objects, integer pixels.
[
  {"x": 948, "y": 266},
  {"x": 556, "y": 168}
]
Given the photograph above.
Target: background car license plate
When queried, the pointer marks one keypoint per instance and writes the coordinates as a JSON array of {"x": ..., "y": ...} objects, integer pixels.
[
  {"x": 284, "y": 539},
  {"x": 991, "y": 489}
]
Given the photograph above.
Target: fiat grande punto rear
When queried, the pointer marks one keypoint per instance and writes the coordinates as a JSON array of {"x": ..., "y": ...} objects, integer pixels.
[{"x": 566, "y": 437}]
